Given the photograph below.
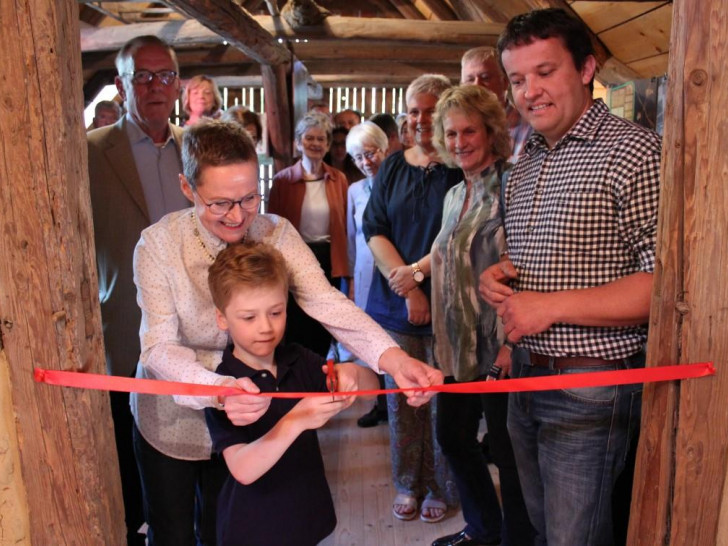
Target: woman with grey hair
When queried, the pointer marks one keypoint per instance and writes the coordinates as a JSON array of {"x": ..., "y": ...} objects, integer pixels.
[
  {"x": 312, "y": 196},
  {"x": 367, "y": 145},
  {"x": 400, "y": 223},
  {"x": 201, "y": 99}
]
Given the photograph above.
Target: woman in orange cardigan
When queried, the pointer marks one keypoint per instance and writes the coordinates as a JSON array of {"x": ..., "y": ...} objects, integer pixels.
[{"x": 312, "y": 196}]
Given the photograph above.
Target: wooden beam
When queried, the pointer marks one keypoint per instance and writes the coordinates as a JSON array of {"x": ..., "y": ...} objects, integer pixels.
[
  {"x": 407, "y": 10},
  {"x": 278, "y": 114},
  {"x": 679, "y": 496},
  {"x": 352, "y": 50},
  {"x": 58, "y": 465},
  {"x": 401, "y": 71},
  {"x": 436, "y": 9},
  {"x": 192, "y": 33},
  {"x": 234, "y": 24},
  {"x": 386, "y": 8}
]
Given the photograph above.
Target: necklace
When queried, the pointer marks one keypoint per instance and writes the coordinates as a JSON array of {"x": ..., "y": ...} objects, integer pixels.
[{"x": 199, "y": 239}]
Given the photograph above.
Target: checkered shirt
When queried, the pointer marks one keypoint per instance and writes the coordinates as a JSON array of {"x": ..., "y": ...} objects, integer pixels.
[{"x": 583, "y": 214}]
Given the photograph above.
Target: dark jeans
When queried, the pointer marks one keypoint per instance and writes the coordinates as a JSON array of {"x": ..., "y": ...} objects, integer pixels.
[
  {"x": 458, "y": 418},
  {"x": 180, "y": 497},
  {"x": 131, "y": 488},
  {"x": 571, "y": 446},
  {"x": 302, "y": 329}
]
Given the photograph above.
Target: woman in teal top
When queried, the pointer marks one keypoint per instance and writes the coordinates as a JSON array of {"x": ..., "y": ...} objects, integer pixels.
[{"x": 471, "y": 133}]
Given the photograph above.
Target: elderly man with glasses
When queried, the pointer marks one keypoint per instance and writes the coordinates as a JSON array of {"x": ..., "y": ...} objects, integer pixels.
[{"x": 133, "y": 171}]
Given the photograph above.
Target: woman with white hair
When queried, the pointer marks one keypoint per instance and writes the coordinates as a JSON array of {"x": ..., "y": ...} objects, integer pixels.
[
  {"x": 312, "y": 196},
  {"x": 367, "y": 145},
  {"x": 400, "y": 223}
]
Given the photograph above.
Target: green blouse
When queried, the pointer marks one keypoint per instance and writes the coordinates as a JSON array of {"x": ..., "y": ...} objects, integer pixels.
[{"x": 464, "y": 326}]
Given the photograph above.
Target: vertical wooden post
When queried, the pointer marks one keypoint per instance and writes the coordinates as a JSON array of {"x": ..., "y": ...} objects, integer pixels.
[
  {"x": 278, "y": 113},
  {"x": 679, "y": 495},
  {"x": 58, "y": 466}
]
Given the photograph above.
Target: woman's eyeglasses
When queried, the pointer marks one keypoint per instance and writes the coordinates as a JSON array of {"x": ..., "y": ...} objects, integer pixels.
[
  {"x": 249, "y": 203},
  {"x": 369, "y": 156}
]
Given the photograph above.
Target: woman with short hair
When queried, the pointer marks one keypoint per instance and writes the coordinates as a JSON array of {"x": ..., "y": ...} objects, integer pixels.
[
  {"x": 312, "y": 196},
  {"x": 400, "y": 222}
]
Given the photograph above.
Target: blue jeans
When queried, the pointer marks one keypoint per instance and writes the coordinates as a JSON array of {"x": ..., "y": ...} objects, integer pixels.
[
  {"x": 180, "y": 497},
  {"x": 570, "y": 447},
  {"x": 458, "y": 418}
]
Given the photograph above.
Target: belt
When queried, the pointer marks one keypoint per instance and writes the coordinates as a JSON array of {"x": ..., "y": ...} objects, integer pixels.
[{"x": 565, "y": 362}]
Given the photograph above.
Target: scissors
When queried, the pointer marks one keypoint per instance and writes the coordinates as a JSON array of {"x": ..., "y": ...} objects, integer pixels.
[{"x": 332, "y": 381}]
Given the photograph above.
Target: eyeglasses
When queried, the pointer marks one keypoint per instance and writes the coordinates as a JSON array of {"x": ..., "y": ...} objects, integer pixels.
[
  {"x": 369, "y": 156},
  {"x": 143, "y": 77},
  {"x": 248, "y": 203}
]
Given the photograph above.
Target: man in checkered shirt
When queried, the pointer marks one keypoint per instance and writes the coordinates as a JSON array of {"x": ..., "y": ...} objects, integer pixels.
[{"x": 574, "y": 288}]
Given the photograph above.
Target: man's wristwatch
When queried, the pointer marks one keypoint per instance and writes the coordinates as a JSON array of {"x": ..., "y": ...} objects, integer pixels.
[{"x": 417, "y": 273}]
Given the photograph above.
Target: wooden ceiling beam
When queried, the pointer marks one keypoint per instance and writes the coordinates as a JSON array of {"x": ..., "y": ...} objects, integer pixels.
[
  {"x": 352, "y": 50},
  {"x": 438, "y": 8},
  {"x": 386, "y": 8},
  {"x": 407, "y": 10},
  {"x": 468, "y": 10},
  {"x": 191, "y": 33},
  {"x": 230, "y": 21}
]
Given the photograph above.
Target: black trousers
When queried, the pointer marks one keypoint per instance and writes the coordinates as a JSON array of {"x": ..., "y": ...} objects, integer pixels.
[
  {"x": 302, "y": 329},
  {"x": 131, "y": 489}
]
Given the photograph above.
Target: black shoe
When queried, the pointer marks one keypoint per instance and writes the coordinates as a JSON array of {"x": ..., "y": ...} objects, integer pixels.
[
  {"x": 372, "y": 419},
  {"x": 461, "y": 538}
]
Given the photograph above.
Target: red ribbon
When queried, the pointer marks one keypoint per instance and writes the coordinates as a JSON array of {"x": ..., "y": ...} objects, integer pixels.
[{"x": 563, "y": 381}]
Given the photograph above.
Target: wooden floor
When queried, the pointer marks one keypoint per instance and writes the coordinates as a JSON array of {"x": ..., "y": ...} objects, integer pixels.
[{"x": 360, "y": 476}]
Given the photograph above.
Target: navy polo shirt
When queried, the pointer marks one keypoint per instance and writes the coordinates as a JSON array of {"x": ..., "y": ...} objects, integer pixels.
[{"x": 291, "y": 503}]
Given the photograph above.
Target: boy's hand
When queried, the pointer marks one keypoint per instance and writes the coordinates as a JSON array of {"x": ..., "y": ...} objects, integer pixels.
[
  {"x": 347, "y": 378},
  {"x": 352, "y": 377},
  {"x": 244, "y": 409},
  {"x": 314, "y": 412}
]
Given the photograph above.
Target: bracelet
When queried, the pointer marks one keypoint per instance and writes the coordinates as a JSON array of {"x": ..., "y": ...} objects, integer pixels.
[{"x": 509, "y": 344}]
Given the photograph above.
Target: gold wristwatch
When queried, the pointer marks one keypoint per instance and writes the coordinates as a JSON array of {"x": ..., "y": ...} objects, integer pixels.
[{"x": 417, "y": 273}]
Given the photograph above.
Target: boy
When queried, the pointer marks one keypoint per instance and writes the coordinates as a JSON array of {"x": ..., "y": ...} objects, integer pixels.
[{"x": 277, "y": 492}]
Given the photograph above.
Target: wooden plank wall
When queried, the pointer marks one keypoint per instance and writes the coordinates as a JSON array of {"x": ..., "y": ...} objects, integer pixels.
[{"x": 681, "y": 471}]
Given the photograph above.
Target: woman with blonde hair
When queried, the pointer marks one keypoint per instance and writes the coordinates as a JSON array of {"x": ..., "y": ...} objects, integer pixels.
[
  {"x": 201, "y": 99},
  {"x": 471, "y": 133}
]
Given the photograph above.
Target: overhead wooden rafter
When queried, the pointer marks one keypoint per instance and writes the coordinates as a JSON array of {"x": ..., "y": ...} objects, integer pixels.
[
  {"x": 191, "y": 32},
  {"x": 480, "y": 22}
]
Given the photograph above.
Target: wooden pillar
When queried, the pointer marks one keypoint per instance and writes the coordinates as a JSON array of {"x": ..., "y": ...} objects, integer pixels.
[
  {"x": 58, "y": 469},
  {"x": 278, "y": 113},
  {"x": 680, "y": 494}
]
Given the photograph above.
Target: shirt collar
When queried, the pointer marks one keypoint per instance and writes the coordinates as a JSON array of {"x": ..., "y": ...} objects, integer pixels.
[
  {"x": 211, "y": 242},
  {"x": 137, "y": 134},
  {"x": 284, "y": 358},
  {"x": 584, "y": 129}
]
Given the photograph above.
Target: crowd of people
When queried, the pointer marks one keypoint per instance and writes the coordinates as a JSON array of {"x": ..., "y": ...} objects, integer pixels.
[{"x": 501, "y": 227}]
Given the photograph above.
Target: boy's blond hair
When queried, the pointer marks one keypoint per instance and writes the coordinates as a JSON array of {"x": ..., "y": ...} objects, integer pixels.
[{"x": 245, "y": 265}]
